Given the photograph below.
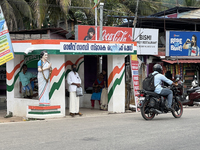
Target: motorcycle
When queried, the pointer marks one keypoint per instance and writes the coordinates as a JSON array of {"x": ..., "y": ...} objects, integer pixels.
[
  {"x": 193, "y": 94},
  {"x": 152, "y": 104}
]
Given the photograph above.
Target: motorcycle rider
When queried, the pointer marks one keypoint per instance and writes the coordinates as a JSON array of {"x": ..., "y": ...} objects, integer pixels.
[{"x": 158, "y": 78}]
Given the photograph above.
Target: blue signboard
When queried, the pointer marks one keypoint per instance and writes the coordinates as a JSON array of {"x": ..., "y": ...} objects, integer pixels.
[{"x": 180, "y": 43}]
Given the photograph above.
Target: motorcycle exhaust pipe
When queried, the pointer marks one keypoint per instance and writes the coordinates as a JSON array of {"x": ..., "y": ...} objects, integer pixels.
[{"x": 155, "y": 111}]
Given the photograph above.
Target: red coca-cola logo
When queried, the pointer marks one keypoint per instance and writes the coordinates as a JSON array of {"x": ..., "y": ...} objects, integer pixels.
[{"x": 117, "y": 36}]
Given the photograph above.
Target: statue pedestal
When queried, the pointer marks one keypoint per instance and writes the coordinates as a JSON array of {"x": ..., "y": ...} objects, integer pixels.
[{"x": 43, "y": 112}]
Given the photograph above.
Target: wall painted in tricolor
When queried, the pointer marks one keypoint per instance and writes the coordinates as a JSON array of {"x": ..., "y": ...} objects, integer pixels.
[{"x": 61, "y": 65}]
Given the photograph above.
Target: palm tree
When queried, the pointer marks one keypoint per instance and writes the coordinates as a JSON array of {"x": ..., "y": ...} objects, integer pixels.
[
  {"x": 15, "y": 12},
  {"x": 54, "y": 10}
]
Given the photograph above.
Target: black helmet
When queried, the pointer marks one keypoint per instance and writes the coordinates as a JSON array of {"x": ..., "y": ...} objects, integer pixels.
[
  {"x": 158, "y": 67},
  {"x": 177, "y": 77}
]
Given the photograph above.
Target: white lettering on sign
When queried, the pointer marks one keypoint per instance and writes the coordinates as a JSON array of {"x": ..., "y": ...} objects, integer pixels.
[
  {"x": 135, "y": 67},
  {"x": 176, "y": 40},
  {"x": 117, "y": 36},
  {"x": 178, "y": 48}
]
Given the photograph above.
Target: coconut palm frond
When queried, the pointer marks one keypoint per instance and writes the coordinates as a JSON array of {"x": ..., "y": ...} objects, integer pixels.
[
  {"x": 18, "y": 16},
  {"x": 54, "y": 16},
  {"x": 9, "y": 15},
  {"x": 64, "y": 5},
  {"x": 23, "y": 7},
  {"x": 40, "y": 8}
]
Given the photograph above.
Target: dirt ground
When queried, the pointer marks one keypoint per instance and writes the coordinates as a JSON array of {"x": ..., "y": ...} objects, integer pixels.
[{"x": 10, "y": 119}]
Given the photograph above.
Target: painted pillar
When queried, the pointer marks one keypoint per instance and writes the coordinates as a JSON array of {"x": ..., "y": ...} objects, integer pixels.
[
  {"x": 57, "y": 88},
  {"x": 12, "y": 74},
  {"x": 116, "y": 83}
]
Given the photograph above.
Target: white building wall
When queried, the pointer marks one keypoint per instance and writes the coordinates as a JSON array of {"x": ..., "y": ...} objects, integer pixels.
[{"x": 116, "y": 88}]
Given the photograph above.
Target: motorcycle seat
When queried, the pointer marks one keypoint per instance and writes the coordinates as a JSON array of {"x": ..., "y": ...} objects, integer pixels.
[
  {"x": 152, "y": 94},
  {"x": 192, "y": 90}
]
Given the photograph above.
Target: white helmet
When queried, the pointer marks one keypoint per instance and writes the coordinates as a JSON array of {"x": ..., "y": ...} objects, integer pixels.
[{"x": 194, "y": 83}]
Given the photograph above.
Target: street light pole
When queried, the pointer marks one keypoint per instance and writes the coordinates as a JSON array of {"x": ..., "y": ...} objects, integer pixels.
[
  {"x": 101, "y": 21},
  {"x": 135, "y": 19}
]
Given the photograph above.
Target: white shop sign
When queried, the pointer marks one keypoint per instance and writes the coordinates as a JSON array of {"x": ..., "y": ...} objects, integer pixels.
[{"x": 147, "y": 41}]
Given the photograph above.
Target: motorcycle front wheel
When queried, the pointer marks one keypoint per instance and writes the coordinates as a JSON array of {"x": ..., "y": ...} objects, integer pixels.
[
  {"x": 145, "y": 111},
  {"x": 178, "y": 107}
]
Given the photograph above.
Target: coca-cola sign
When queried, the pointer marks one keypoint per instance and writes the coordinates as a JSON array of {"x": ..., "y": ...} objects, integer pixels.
[
  {"x": 147, "y": 39},
  {"x": 108, "y": 34}
]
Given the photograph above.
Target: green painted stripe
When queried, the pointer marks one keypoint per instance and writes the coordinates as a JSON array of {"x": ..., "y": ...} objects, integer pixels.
[
  {"x": 11, "y": 87},
  {"x": 79, "y": 65},
  {"x": 56, "y": 51},
  {"x": 117, "y": 82},
  {"x": 66, "y": 73},
  {"x": 44, "y": 113},
  {"x": 68, "y": 70},
  {"x": 56, "y": 85}
]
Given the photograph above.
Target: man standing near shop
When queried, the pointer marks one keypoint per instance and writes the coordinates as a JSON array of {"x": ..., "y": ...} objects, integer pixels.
[{"x": 73, "y": 81}]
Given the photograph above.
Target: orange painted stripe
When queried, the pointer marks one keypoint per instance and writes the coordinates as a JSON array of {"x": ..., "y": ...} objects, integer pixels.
[
  {"x": 56, "y": 71},
  {"x": 115, "y": 71},
  {"x": 68, "y": 63},
  {"x": 10, "y": 75},
  {"x": 49, "y": 41},
  {"x": 78, "y": 60},
  {"x": 44, "y": 107}
]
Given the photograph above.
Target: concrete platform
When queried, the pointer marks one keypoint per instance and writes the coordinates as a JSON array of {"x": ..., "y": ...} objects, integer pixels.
[{"x": 87, "y": 112}]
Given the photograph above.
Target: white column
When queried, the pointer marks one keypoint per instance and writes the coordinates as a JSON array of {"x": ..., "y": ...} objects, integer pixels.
[
  {"x": 57, "y": 89},
  {"x": 116, "y": 83},
  {"x": 13, "y": 67}
]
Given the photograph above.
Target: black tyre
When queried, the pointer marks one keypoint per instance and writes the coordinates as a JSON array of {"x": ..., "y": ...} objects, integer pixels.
[
  {"x": 145, "y": 111},
  {"x": 178, "y": 107}
]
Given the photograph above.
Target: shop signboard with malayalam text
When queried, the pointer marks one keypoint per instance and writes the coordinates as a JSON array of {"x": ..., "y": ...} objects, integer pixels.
[
  {"x": 182, "y": 43},
  {"x": 6, "y": 50},
  {"x": 147, "y": 39},
  {"x": 98, "y": 47}
]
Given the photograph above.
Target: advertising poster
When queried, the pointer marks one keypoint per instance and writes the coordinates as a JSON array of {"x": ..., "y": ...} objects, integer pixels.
[
  {"x": 147, "y": 39},
  {"x": 108, "y": 34},
  {"x": 182, "y": 43},
  {"x": 6, "y": 50},
  {"x": 134, "y": 70}
]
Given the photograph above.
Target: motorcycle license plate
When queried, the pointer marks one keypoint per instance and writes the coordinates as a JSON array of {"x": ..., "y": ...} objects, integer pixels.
[{"x": 141, "y": 98}]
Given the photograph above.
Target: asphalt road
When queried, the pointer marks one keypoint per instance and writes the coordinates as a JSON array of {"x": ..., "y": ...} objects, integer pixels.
[{"x": 108, "y": 132}]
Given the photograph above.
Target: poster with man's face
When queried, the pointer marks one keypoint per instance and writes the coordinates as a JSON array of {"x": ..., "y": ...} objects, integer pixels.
[{"x": 182, "y": 43}]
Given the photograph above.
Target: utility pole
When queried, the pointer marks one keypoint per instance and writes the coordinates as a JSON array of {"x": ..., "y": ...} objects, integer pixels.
[
  {"x": 135, "y": 19},
  {"x": 96, "y": 23},
  {"x": 101, "y": 21},
  {"x": 177, "y": 3}
]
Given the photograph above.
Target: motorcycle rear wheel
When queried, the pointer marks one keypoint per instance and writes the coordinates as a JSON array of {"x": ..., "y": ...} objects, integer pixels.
[
  {"x": 178, "y": 107},
  {"x": 145, "y": 111}
]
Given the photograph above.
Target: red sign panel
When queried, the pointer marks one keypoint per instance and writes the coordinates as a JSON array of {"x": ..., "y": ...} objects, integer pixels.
[{"x": 108, "y": 33}]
